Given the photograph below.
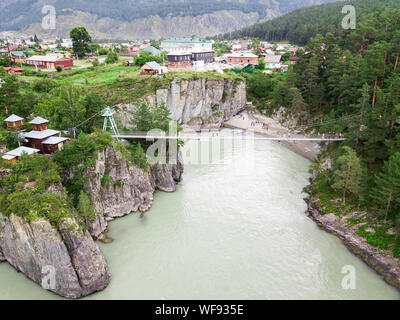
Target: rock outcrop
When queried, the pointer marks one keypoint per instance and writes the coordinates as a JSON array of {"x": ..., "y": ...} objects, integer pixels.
[
  {"x": 66, "y": 261},
  {"x": 117, "y": 188},
  {"x": 195, "y": 103}
]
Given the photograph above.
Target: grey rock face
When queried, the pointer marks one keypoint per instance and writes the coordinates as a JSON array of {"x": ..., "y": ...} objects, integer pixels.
[
  {"x": 116, "y": 188},
  {"x": 37, "y": 250},
  {"x": 88, "y": 261},
  {"x": 197, "y": 104},
  {"x": 127, "y": 189}
]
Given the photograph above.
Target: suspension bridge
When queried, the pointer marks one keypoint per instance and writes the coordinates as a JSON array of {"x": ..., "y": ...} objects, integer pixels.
[{"x": 110, "y": 125}]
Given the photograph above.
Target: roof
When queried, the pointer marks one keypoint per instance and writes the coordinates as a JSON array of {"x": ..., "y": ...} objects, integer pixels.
[
  {"x": 293, "y": 58},
  {"x": 15, "y": 69},
  {"x": 38, "y": 120},
  {"x": 41, "y": 134},
  {"x": 152, "y": 50},
  {"x": 54, "y": 140},
  {"x": 180, "y": 53},
  {"x": 241, "y": 54},
  {"x": 187, "y": 40},
  {"x": 48, "y": 58},
  {"x": 271, "y": 58},
  {"x": 13, "y": 118},
  {"x": 18, "y": 53},
  {"x": 153, "y": 65},
  {"x": 201, "y": 51},
  {"x": 8, "y": 157},
  {"x": 19, "y": 151}
]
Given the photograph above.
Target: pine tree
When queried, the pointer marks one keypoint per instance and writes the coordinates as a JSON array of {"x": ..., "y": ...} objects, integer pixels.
[
  {"x": 386, "y": 194},
  {"x": 347, "y": 173}
]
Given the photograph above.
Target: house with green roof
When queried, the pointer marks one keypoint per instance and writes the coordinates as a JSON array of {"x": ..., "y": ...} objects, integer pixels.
[{"x": 153, "y": 51}]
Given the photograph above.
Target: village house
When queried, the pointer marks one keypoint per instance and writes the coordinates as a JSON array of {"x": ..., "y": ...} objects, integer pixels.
[
  {"x": 42, "y": 138},
  {"x": 14, "y": 123},
  {"x": 151, "y": 68},
  {"x": 132, "y": 52},
  {"x": 12, "y": 156},
  {"x": 50, "y": 61},
  {"x": 54, "y": 144},
  {"x": 13, "y": 70},
  {"x": 207, "y": 56},
  {"x": 152, "y": 50},
  {"x": 179, "y": 60},
  {"x": 242, "y": 58},
  {"x": 273, "y": 61},
  {"x": 185, "y": 44},
  {"x": 17, "y": 57}
]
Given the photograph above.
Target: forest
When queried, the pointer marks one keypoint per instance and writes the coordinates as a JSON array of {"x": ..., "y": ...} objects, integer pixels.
[
  {"x": 349, "y": 83},
  {"x": 302, "y": 24}
]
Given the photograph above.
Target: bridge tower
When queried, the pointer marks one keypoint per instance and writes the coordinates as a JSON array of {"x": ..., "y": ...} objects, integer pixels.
[{"x": 109, "y": 122}]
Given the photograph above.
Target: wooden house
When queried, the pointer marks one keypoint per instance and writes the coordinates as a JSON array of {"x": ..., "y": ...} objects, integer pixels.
[
  {"x": 39, "y": 124},
  {"x": 14, "y": 123},
  {"x": 207, "y": 56},
  {"x": 36, "y": 138},
  {"x": 13, "y": 155},
  {"x": 180, "y": 60},
  {"x": 151, "y": 68},
  {"x": 54, "y": 144}
]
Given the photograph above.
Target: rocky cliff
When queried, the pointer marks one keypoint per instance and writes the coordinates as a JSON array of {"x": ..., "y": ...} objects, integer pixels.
[
  {"x": 64, "y": 258},
  {"x": 195, "y": 103},
  {"x": 66, "y": 261},
  {"x": 117, "y": 188}
]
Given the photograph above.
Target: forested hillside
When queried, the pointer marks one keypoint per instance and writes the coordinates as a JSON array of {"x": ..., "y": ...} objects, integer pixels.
[
  {"x": 300, "y": 25},
  {"x": 350, "y": 84},
  {"x": 125, "y": 19}
]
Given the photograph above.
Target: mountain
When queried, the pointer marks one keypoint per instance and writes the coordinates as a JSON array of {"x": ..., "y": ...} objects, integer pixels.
[
  {"x": 302, "y": 24},
  {"x": 143, "y": 19}
]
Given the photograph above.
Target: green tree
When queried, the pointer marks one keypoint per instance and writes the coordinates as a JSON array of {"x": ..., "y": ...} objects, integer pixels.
[
  {"x": 9, "y": 92},
  {"x": 142, "y": 118},
  {"x": 80, "y": 41},
  {"x": 112, "y": 57},
  {"x": 261, "y": 64},
  {"x": 347, "y": 172},
  {"x": 386, "y": 194}
]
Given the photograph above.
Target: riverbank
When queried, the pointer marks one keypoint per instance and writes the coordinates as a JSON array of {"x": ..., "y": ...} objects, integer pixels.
[
  {"x": 387, "y": 266},
  {"x": 270, "y": 127}
]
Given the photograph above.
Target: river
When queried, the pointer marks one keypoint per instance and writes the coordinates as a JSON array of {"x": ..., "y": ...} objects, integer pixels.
[{"x": 235, "y": 229}]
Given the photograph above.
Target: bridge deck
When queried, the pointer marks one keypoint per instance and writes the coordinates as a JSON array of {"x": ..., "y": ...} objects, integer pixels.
[{"x": 233, "y": 137}]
